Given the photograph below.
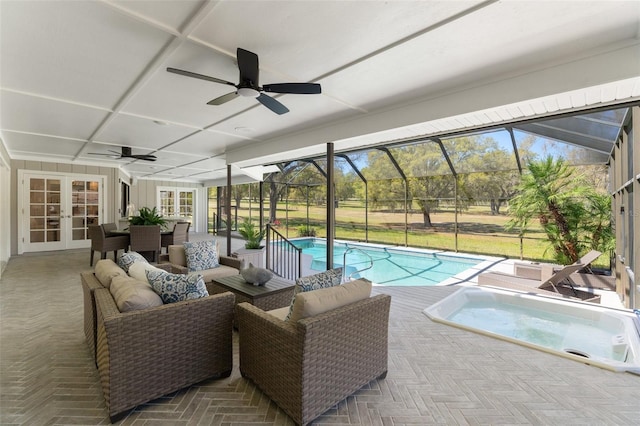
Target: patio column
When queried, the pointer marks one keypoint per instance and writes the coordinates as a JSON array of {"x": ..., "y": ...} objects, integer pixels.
[
  {"x": 331, "y": 213},
  {"x": 227, "y": 208}
]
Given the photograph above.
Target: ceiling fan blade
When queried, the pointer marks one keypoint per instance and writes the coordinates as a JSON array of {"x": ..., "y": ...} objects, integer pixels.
[
  {"x": 200, "y": 76},
  {"x": 146, "y": 157},
  {"x": 223, "y": 99},
  {"x": 248, "y": 65},
  {"x": 272, "y": 104},
  {"x": 298, "y": 88}
]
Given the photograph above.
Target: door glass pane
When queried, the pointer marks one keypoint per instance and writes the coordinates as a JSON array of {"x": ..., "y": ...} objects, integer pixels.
[
  {"x": 36, "y": 236},
  {"x": 185, "y": 203},
  {"x": 36, "y": 185},
  {"x": 44, "y": 210},
  {"x": 84, "y": 207},
  {"x": 167, "y": 203}
]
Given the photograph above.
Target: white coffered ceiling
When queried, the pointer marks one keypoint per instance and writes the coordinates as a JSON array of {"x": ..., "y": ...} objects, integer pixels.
[{"x": 79, "y": 77}]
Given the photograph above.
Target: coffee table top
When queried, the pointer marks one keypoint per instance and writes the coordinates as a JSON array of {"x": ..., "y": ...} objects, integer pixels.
[{"x": 237, "y": 284}]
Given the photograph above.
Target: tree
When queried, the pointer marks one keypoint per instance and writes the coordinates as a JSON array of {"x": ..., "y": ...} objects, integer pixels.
[{"x": 552, "y": 193}]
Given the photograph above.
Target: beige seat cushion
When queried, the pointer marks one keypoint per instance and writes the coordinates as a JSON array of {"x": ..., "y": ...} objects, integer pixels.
[
  {"x": 106, "y": 270},
  {"x": 131, "y": 294},
  {"x": 221, "y": 271},
  {"x": 280, "y": 313},
  {"x": 315, "y": 302}
]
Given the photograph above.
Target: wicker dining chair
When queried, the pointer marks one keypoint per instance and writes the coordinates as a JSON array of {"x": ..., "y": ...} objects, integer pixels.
[
  {"x": 188, "y": 227},
  {"x": 100, "y": 242},
  {"x": 145, "y": 239},
  {"x": 178, "y": 237},
  {"x": 109, "y": 227}
]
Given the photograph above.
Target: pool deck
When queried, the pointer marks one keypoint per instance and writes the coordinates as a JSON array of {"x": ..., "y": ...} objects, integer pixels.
[{"x": 601, "y": 286}]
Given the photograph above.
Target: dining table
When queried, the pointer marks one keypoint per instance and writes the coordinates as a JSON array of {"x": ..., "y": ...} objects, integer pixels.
[{"x": 126, "y": 232}]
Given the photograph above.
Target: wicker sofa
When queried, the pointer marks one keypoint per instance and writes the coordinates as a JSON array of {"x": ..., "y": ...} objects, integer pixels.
[
  {"x": 90, "y": 283},
  {"x": 309, "y": 365},
  {"x": 145, "y": 354}
]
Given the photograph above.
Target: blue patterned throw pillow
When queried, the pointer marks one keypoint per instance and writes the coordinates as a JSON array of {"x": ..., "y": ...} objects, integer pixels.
[
  {"x": 126, "y": 259},
  {"x": 177, "y": 287},
  {"x": 201, "y": 255},
  {"x": 326, "y": 279}
]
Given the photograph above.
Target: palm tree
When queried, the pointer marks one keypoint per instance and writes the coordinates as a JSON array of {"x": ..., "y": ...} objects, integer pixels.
[{"x": 550, "y": 192}]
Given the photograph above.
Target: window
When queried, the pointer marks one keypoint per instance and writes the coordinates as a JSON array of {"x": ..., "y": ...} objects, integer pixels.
[
  {"x": 176, "y": 202},
  {"x": 125, "y": 198}
]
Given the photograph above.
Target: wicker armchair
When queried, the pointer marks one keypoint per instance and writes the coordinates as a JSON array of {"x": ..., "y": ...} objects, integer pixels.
[
  {"x": 143, "y": 355},
  {"x": 145, "y": 239},
  {"x": 308, "y": 366},
  {"x": 100, "y": 242}
]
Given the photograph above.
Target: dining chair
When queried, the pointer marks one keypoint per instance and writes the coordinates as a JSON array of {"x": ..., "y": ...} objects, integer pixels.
[
  {"x": 145, "y": 239},
  {"x": 188, "y": 227},
  {"x": 100, "y": 242},
  {"x": 109, "y": 227},
  {"x": 178, "y": 237}
]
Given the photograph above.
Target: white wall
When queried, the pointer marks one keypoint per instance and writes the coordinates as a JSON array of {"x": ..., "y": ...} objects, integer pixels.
[{"x": 5, "y": 207}]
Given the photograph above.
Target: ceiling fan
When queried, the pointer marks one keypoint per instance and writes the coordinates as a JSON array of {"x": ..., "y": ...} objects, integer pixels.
[
  {"x": 249, "y": 84},
  {"x": 126, "y": 153}
]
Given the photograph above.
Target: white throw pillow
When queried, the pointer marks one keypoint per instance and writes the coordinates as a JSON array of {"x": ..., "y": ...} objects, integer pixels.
[{"x": 139, "y": 271}]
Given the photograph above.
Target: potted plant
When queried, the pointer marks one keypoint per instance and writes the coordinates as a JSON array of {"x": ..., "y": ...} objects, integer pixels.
[
  {"x": 253, "y": 235},
  {"x": 147, "y": 216}
]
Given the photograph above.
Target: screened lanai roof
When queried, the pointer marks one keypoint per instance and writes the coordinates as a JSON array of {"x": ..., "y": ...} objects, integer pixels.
[{"x": 583, "y": 138}]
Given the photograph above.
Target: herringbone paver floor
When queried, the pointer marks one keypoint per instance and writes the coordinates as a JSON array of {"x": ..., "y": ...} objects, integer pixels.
[{"x": 437, "y": 374}]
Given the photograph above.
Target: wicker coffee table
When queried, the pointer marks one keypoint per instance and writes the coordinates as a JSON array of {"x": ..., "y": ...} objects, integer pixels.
[{"x": 276, "y": 293}]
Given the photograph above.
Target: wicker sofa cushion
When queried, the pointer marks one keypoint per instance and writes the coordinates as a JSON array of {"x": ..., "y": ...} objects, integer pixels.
[
  {"x": 201, "y": 255},
  {"x": 177, "y": 255},
  {"x": 131, "y": 294},
  {"x": 312, "y": 303},
  {"x": 139, "y": 271},
  {"x": 106, "y": 270},
  {"x": 177, "y": 287},
  {"x": 126, "y": 259},
  {"x": 325, "y": 279}
]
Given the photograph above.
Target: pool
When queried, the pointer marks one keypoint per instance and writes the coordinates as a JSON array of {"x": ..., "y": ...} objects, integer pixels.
[
  {"x": 592, "y": 334},
  {"x": 391, "y": 266}
]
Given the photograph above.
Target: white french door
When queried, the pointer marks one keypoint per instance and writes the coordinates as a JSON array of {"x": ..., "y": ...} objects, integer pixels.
[{"x": 57, "y": 210}]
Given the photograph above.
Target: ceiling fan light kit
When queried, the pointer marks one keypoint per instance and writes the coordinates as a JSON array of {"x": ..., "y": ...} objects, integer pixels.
[{"x": 249, "y": 85}]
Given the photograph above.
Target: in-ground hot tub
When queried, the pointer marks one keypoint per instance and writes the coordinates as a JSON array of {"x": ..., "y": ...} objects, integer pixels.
[{"x": 592, "y": 334}]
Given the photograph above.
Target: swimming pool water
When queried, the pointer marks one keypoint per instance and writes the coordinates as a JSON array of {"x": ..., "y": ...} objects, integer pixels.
[{"x": 391, "y": 266}]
